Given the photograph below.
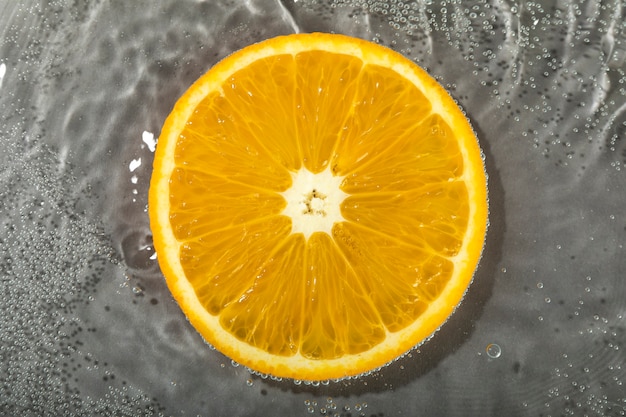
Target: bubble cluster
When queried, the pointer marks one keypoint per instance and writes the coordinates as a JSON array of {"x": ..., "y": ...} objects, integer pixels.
[
  {"x": 336, "y": 408},
  {"x": 54, "y": 259}
]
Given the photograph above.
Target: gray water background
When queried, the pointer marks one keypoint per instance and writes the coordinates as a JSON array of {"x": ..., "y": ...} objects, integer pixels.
[{"x": 87, "y": 325}]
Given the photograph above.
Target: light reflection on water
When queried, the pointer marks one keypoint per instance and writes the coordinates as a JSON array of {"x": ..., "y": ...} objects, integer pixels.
[{"x": 87, "y": 325}]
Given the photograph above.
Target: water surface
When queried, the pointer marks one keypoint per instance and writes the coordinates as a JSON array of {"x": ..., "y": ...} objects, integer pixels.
[{"x": 87, "y": 325}]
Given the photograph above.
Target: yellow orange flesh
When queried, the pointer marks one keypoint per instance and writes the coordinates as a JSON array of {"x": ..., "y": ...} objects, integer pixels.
[{"x": 374, "y": 279}]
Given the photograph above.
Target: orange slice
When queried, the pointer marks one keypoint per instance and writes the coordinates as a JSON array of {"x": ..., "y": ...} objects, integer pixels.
[{"x": 318, "y": 205}]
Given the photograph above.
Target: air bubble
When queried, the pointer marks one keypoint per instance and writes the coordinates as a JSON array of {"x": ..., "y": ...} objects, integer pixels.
[{"x": 493, "y": 350}]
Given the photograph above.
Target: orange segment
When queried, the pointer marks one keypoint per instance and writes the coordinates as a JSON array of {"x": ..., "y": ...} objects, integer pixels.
[
  {"x": 433, "y": 217},
  {"x": 273, "y": 287},
  {"x": 394, "y": 274},
  {"x": 428, "y": 147},
  {"x": 219, "y": 134},
  {"x": 318, "y": 205},
  {"x": 323, "y": 98},
  {"x": 238, "y": 256},
  {"x": 258, "y": 105},
  {"x": 192, "y": 218},
  {"x": 340, "y": 317},
  {"x": 378, "y": 118}
]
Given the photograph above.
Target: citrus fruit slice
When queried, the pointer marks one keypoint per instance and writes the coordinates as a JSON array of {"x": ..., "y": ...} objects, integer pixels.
[{"x": 318, "y": 205}]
